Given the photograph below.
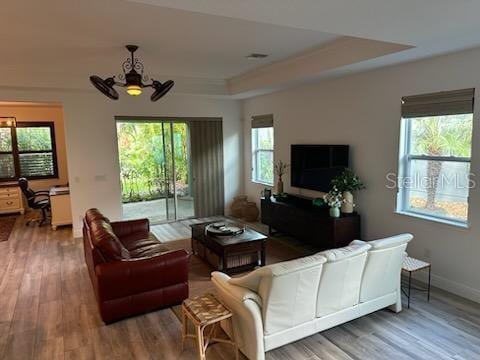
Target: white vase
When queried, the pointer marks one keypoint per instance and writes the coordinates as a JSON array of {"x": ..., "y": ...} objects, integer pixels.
[
  {"x": 280, "y": 187},
  {"x": 334, "y": 212},
  {"x": 347, "y": 206}
]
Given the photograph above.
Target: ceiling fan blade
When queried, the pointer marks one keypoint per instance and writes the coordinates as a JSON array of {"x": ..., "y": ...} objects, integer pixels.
[
  {"x": 104, "y": 86},
  {"x": 161, "y": 89}
]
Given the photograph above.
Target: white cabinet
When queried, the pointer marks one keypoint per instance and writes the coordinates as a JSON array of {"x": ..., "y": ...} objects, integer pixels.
[
  {"x": 61, "y": 207},
  {"x": 11, "y": 199}
]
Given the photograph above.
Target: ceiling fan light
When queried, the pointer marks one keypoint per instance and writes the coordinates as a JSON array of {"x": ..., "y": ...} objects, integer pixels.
[
  {"x": 134, "y": 90},
  {"x": 133, "y": 79}
]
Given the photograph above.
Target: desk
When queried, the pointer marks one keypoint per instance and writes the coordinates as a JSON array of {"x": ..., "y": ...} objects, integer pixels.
[
  {"x": 11, "y": 198},
  {"x": 61, "y": 207}
]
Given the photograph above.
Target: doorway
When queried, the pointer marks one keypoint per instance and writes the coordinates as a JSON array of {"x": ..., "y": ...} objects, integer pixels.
[{"x": 155, "y": 169}]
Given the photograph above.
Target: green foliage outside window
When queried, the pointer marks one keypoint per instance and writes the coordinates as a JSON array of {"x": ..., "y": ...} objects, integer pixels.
[
  {"x": 262, "y": 161},
  {"x": 146, "y": 166},
  {"x": 441, "y": 136},
  {"x": 5, "y": 139},
  {"x": 34, "y": 138}
]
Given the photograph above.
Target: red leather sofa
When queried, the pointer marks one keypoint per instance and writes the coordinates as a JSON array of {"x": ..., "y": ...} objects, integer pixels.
[{"x": 131, "y": 272}]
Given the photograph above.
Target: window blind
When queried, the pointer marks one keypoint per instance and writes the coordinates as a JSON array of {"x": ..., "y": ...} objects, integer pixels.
[
  {"x": 262, "y": 121},
  {"x": 437, "y": 104}
]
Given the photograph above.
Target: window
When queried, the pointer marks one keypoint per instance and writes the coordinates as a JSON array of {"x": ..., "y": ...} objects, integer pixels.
[
  {"x": 435, "y": 155},
  {"x": 7, "y": 168},
  {"x": 262, "y": 148},
  {"x": 28, "y": 150}
]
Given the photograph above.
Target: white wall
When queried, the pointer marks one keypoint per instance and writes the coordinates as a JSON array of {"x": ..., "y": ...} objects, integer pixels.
[
  {"x": 363, "y": 110},
  {"x": 92, "y": 152}
]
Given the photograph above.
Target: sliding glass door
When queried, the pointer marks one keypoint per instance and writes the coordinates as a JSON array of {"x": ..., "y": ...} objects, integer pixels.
[{"x": 155, "y": 169}]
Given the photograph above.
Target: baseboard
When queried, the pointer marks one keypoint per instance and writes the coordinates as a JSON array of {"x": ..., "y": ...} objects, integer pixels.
[{"x": 450, "y": 286}]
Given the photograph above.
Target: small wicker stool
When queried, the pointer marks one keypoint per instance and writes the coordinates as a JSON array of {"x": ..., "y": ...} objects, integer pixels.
[{"x": 202, "y": 311}]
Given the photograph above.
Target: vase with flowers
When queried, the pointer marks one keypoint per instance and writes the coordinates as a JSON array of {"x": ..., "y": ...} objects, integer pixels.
[
  {"x": 347, "y": 183},
  {"x": 280, "y": 170},
  {"x": 334, "y": 200}
]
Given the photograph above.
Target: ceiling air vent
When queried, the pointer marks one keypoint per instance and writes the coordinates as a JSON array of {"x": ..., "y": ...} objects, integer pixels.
[{"x": 255, "y": 56}]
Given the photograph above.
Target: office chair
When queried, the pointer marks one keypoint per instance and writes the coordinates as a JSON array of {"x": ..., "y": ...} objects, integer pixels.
[{"x": 36, "y": 200}]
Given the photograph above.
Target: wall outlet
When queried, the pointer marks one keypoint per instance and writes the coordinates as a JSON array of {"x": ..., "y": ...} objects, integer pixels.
[
  {"x": 426, "y": 253},
  {"x": 100, "y": 178}
]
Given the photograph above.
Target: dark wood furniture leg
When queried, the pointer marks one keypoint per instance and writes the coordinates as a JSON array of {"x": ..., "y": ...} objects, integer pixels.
[
  {"x": 262, "y": 254},
  {"x": 409, "y": 287},
  {"x": 429, "y": 280}
]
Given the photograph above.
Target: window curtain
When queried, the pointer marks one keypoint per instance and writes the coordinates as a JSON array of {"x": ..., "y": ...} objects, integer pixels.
[
  {"x": 206, "y": 141},
  {"x": 262, "y": 121},
  {"x": 437, "y": 104}
]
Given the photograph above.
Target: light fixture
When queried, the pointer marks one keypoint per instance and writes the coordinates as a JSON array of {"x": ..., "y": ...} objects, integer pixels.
[
  {"x": 8, "y": 121},
  {"x": 133, "y": 80},
  {"x": 134, "y": 90}
]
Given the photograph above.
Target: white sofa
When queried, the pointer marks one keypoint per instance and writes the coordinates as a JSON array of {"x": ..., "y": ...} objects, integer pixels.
[{"x": 282, "y": 303}]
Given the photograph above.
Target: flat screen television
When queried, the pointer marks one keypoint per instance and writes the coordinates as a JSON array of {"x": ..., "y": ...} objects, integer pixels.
[{"x": 314, "y": 166}]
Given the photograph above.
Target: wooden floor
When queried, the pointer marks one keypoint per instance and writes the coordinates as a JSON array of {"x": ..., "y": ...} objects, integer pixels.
[{"x": 47, "y": 311}]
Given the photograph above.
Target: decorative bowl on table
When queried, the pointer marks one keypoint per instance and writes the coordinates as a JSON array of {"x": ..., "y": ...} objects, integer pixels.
[{"x": 224, "y": 229}]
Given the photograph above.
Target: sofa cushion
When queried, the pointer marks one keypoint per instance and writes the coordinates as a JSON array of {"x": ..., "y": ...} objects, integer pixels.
[
  {"x": 140, "y": 243},
  {"x": 345, "y": 252},
  {"x": 288, "y": 291},
  {"x": 131, "y": 231},
  {"x": 287, "y": 267},
  {"x": 385, "y": 243},
  {"x": 344, "y": 266},
  {"x": 252, "y": 280},
  {"x": 383, "y": 268},
  {"x": 144, "y": 247},
  {"x": 105, "y": 240},
  {"x": 93, "y": 215},
  {"x": 148, "y": 250}
]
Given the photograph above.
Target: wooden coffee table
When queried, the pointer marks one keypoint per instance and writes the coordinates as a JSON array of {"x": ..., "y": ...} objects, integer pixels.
[{"x": 230, "y": 254}]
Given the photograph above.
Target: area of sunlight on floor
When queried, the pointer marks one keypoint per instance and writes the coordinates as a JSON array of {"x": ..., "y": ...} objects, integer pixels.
[{"x": 156, "y": 210}]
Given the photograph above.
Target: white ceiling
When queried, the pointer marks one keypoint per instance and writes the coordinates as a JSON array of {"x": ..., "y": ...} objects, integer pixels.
[
  {"x": 202, "y": 43},
  {"x": 413, "y": 22},
  {"x": 54, "y": 40}
]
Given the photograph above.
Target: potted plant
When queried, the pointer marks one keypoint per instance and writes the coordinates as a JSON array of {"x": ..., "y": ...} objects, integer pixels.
[
  {"x": 267, "y": 194},
  {"x": 346, "y": 183},
  {"x": 334, "y": 200},
  {"x": 280, "y": 170}
]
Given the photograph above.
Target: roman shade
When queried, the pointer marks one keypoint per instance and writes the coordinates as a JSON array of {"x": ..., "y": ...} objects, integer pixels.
[
  {"x": 206, "y": 136},
  {"x": 437, "y": 104},
  {"x": 262, "y": 121}
]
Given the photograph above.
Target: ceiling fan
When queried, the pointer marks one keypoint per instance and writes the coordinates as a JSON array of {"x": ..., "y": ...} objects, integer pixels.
[{"x": 132, "y": 78}]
